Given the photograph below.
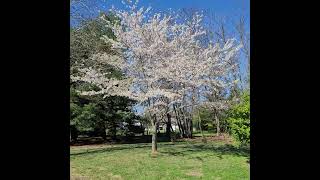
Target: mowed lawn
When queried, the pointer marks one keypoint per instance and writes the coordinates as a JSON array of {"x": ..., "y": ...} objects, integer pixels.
[{"x": 179, "y": 160}]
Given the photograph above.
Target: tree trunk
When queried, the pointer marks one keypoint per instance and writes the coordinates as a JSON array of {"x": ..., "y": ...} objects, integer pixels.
[
  {"x": 142, "y": 129},
  {"x": 217, "y": 123},
  {"x": 184, "y": 124},
  {"x": 168, "y": 128},
  {"x": 191, "y": 128},
  {"x": 104, "y": 134},
  {"x": 179, "y": 127},
  {"x": 204, "y": 140},
  {"x": 189, "y": 125},
  {"x": 154, "y": 135},
  {"x": 200, "y": 124},
  {"x": 154, "y": 141},
  {"x": 74, "y": 133},
  {"x": 178, "y": 121},
  {"x": 114, "y": 131}
]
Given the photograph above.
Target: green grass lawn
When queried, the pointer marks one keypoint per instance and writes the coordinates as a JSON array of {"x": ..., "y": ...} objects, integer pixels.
[{"x": 179, "y": 160}]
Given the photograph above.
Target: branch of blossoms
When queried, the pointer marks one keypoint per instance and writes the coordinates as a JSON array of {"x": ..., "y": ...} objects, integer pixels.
[
  {"x": 107, "y": 86},
  {"x": 163, "y": 57}
]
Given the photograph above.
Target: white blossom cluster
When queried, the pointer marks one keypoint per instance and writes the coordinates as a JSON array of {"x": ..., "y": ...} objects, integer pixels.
[
  {"x": 164, "y": 59},
  {"x": 161, "y": 51},
  {"x": 107, "y": 86}
]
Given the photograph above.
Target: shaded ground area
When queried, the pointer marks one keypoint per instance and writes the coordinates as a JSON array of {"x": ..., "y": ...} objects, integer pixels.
[
  {"x": 84, "y": 140},
  {"x": 119, "y": 140},
  {"x": 180, "y": 160}
]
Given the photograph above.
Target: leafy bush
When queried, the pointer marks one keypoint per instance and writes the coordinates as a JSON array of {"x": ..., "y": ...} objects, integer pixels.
[{"x": 239, "y": 120}]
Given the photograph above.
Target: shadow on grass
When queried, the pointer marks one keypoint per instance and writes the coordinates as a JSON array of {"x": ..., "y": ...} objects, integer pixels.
[
  {"x": 106, "y": 149},
  {"x": 119, "y": 140},
  {"x": 185, "y": 150},
  {"x": 110, "y": 149},
  {"x": 176, "y": 149},
  {"x": 210, "y": 150}
]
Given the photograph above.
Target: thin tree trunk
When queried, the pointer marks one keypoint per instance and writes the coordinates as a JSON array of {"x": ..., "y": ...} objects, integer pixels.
[
  {"x": 217, "y": 123},
  {"x": 188, "y": 132},
  {"x": 186, "y": 126},
  {"x": 183, "y": 124},
  {"x": 114, "y": 131},
  {"x": 154, "y": 136},
  {"x": 141, "y": 126},
  {"x": 179, "y": 127},
  {"x": 168, "y": 128},
  {"x": 104, "y": 133},
  {"x": 154, "y": 141},
  {"x": 191, "y": 128},
  {"x": 178, "y": 121},
  {"x": 200, "y": 123}
]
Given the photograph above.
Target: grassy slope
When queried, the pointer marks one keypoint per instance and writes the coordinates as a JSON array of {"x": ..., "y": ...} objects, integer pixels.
[{"x": 181, "y": 160}]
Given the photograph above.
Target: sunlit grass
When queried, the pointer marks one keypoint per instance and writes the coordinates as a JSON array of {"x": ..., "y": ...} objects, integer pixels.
[{"x": 180, "y": 160}]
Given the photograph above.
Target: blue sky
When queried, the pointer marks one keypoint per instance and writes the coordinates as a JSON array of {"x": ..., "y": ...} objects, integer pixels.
[
  {"x": 220, "y": 7},
  {"x": 223, "y": 7}
]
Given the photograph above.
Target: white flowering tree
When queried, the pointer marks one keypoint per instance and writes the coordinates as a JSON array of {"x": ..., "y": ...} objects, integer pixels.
[{"x": 169, "y": 67}]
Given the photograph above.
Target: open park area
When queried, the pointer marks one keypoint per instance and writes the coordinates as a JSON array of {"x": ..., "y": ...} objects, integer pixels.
[{"x": 185, "y": 159}]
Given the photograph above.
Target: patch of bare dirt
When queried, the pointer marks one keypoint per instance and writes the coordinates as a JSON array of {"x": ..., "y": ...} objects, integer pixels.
[
  {"x": 91, "y": 146},
  {"x": 115, "y": 177},
  {"x": 222, "y": 138},
  {"x": 194, "y": 173},
  {"x": 79, "y": 178}
]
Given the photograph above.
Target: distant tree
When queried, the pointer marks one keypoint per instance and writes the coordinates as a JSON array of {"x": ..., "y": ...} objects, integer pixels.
[
  {"x": 92, "y": 113},
  {"x": 85, "y": 40},
  {"x": 220, "y": 29},
  {"x": 205, "y": 117}
]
